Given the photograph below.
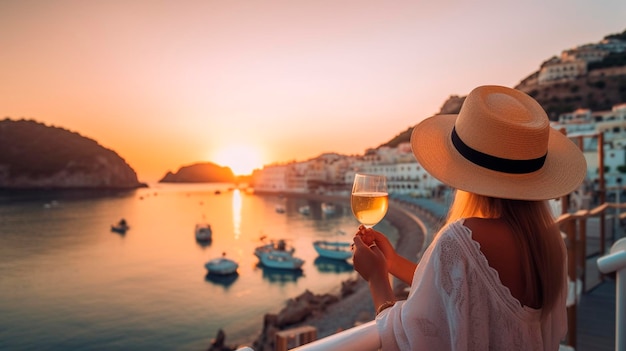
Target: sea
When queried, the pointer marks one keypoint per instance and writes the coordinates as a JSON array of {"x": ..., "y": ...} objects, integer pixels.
[{"x": 67, "y": 282}]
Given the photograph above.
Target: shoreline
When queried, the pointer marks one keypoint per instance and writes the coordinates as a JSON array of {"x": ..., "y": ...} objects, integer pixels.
[{"x": 415, "y": 229}]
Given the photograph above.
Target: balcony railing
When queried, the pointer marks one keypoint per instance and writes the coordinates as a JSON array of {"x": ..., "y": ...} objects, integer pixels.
[{"x": 616, "y": 262}]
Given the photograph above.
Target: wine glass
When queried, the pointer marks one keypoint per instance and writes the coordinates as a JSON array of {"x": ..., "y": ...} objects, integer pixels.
[{"x": 369, "y": 199}]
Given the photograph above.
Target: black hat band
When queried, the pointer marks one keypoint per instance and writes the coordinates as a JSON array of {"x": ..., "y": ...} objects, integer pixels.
[{"x": 495, "y": 163}]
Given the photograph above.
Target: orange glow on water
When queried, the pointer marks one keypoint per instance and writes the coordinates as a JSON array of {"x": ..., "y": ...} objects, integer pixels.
[{"x": 237, "y": 205}]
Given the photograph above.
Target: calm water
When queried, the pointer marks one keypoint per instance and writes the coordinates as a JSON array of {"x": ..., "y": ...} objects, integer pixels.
[{"x": 68, "y": 283}]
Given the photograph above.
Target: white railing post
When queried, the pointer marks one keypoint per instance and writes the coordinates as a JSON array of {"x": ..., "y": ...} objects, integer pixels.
[{"x": 615, "y": 261}]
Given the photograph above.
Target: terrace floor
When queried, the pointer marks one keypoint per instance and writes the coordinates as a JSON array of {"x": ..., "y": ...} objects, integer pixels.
[
  {"x": 595, "y": 322},
  {"x": 595, "y": 312}
]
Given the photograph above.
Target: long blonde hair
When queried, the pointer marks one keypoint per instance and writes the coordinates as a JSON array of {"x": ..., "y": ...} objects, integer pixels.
[{"x": 536, "y": 233}]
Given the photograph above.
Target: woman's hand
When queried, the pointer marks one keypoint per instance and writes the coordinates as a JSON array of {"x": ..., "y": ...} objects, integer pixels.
[
  {"x": 397, "y": 265},
  {"x": 371, "y": 236},
  {"x": 369, "y": 260},
  {"x": 371, "y": 264}
]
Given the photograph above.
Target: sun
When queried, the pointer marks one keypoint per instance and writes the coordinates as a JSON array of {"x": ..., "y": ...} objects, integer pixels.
[{"x": 241, "y": 159}]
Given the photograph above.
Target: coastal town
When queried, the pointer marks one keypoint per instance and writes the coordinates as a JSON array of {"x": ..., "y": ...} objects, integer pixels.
[{"x": 333, "y": 173}]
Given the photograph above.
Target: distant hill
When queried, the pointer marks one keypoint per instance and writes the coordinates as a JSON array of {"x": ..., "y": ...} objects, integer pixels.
[
  {"x": 206, "y": 172},
  {"x": 603, "y": 87},
  {"x": 37, "y": 156},
  {"x": 596, "y": 92}
]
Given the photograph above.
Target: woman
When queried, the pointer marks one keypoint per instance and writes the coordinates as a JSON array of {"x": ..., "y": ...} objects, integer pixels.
[{"x": 494, "y": 277}]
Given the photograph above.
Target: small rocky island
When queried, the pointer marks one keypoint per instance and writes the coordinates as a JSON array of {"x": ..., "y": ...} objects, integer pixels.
[
  {"x": 205, "y": 172},
  {"x": 36, "y": 156}
]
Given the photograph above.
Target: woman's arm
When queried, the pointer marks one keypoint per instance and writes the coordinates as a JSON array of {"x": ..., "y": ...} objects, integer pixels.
[
  {"x": 371, "y": 264},
  {"x": 402, "y": 268}
]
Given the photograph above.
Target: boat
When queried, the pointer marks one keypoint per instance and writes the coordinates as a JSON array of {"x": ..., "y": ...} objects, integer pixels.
[
  {"x": 280, "y": 245},
  {"x": 52, "y": 204},
  {"x": 204, "y": 232},
  {"x": 328, "y": 208},
  {"x": 221, "y": 265},
  {"x": 278, "y": 255},
  {"x": 337, "y": 250},
  {"x": 121, "y": 227},
  {"x": 281, "y": 260},
  {"x": 280, "y": 209},
  {"x": 305, "y": 210}
]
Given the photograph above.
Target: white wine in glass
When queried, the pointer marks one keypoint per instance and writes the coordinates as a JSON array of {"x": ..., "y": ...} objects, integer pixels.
[{"x": 370, "y": 199}]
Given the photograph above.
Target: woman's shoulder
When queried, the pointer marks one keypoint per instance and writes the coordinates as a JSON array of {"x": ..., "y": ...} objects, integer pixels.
[
  {"x": 453, "y": 235},
  {"x": 491, "y": 239},
  {"x": 453, "y": 231},
  {"x": 482, "y": 226},
  {"x": 489, "y": 232},
  {"x": 485, "y": 235}
]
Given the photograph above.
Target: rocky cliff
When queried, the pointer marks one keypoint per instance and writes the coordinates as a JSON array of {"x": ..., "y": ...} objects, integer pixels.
[
  {"x": 200, "y": 173},
  {"x": 35, "y": 156}
]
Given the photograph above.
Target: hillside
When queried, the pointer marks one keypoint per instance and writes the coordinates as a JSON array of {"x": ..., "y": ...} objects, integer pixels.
[
  {"x": 600, "y": 89},
  {"x": 37, "y": 156},
  {"x": 598, "y": 92}
]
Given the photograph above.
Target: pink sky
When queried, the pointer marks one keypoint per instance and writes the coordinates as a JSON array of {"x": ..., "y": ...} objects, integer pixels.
[{"x": 247, "y": 83}]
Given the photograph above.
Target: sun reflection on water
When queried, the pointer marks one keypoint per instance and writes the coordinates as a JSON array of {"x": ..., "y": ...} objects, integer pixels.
[{"x": 237, "y": 213}]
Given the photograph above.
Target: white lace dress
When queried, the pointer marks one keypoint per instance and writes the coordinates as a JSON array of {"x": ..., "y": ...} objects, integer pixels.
[{"x": 457, "y": 302}]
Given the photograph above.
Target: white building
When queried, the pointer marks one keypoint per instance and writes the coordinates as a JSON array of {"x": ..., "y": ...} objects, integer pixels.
[
  {"x": 556, "y": 69},
  {"x": 583, "y": 126},
  {"x": 573, "y": 62},
  {"x": 272, "y": 178},
  {"x": 334, "y": 173},
  {"x": 404, "y": 174},
  {"x": 322, "y": 174}
]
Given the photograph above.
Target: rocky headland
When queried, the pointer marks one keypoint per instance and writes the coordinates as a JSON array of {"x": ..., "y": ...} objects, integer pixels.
[{"x": 36, "y": 156}]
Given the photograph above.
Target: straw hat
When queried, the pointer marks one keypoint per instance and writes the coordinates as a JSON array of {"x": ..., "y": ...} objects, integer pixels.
[{"x": 501, "y": 145}]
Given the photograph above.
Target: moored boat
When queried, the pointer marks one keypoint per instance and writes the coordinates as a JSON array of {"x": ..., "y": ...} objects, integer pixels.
[
  {"x": 328, "y": 208},
  {"x": 305, "y": 210},
  {"x": 278, "y": 255},
  {"x": 280, "y": 260},
  {"x": 204, "y": 232},
  {"x": 337, "y": 250},
  {"x": 280, "y": 245},
  {"x": 121, "y": 227},
  {"x": 221, "y": 266}
]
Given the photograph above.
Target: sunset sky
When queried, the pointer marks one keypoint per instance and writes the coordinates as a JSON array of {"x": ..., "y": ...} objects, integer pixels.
[{"x": 244, "y": 83}]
